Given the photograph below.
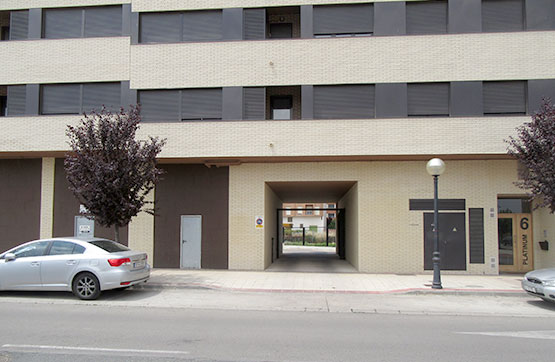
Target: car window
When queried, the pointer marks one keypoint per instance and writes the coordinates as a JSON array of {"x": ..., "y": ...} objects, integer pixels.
[
  {"x": 65, "y": 248},
  {"x": 34, "y": 249},
  {"x": 109, "y": 245}
]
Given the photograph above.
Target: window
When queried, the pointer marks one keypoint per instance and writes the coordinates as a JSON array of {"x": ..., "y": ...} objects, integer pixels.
[
  {"x": 33, "y": 249},
  {"x": 78, "y": 98},
  {"x": 15, "y": 101},
  {"x": 427, "y": 17},
  {"x": 343, "y": 101},
  {"x": 343, "y": 20},
  {"x": 428, "y": 99},
  {"x": 331, "y": 215},
  {"x": 281, "y": 31},
  {"x": 109, "y": 246},
  {"x": 184, "y": 105},
  {"x": 86, "y": 22},
  {"x": 254, "y": 103},
  {"x": 502, "y": 15},
  {"x": 254, "y": 24},
  {"x": 289, "y": 219},
  {"x": 65, "y": 248},
  {"x": 3, "y": 106},
  {"x": 507, "y": 97},
  {"x": 288, "y": 212},
  {"x": 308, "y": 210},
  {"x": 282, "y": 107},
  {"x": 513, "y": 206},
  {"x": 19, "y": 24},
  {"x": 172, "y": 27}
]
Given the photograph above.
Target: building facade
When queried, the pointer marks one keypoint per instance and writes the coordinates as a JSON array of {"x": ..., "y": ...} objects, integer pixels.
[{"x": 266, "y": 102}]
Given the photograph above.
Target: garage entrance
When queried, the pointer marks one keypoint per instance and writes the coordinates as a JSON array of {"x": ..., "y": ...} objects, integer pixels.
[{"x": 311, "y": 232}]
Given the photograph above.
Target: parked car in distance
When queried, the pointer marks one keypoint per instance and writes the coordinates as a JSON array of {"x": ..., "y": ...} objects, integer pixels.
[
  {"x": 540, "y": 283},
  {"x": 85, "y": 266}
]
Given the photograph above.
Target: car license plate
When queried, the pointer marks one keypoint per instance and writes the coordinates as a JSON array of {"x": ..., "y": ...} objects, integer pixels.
[
  {"x": 138, "y": 264},
  {"x": 530, "y": 289}
]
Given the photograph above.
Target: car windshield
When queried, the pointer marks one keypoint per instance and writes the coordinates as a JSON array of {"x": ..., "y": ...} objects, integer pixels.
[{"x": 109, "y": 245}]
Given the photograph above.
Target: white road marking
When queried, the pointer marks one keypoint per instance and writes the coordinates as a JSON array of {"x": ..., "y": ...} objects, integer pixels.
[
  {"x": 518, "y": 334},
  {"x": 92, "y": 349}
]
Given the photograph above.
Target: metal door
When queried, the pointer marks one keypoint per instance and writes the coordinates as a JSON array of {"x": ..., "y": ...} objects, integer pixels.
[
  {"x": 452, "y": 241},
  {"x": 514, "y": 233},
  {"x": 83, "y": 227},
  {"x": 191, "y": 236}
]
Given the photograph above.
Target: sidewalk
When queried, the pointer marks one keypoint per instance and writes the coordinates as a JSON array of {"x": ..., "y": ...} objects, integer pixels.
[{"x": 349, "y": 283}]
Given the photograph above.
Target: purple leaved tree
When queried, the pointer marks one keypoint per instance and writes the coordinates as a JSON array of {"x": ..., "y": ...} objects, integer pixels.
[
  {"x": 534, "y": 148},
  {"x": 109, "y": 171}
]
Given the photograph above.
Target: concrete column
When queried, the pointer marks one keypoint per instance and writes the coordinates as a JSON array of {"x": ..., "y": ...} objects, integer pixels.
[
  {"x": 141, "y": 232},
  {"x": 47, "y": 197}
]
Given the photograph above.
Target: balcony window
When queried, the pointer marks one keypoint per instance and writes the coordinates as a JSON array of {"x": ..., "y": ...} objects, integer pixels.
[
  {"x": 343, "y": 20},
  {"x": 344, "y": 101},
  {"x": 99, "y": 21}
]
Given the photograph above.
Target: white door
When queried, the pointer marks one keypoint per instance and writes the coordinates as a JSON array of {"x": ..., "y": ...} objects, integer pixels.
[{"x": 191, "y": 236}]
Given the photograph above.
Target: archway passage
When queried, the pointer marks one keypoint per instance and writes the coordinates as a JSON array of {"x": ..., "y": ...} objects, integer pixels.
[{"x": 312, "y": 234}]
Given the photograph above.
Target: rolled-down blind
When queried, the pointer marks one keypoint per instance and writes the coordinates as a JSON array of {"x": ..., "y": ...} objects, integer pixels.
[
  {"x": 202, "y": 25},
  {"x": 344, "y": 101},
  {"x": 504, "y": 97},
  {"x": 96, "y": 95},
  {"x": 103, "y": 21},
  {"x": 502, "y": 15},
  {"x": 476, "y": 235},
  {"x": 254, "y": 24},
  {"x": 343, "y": 19},
  {"x": 62, "y": 23},
  {"x": 427, "y": 17},
  {"x": 159, "y": 106},
  {"x": 160, "y": 27},
  {"x": 201, "y": 104},
  {"x": 16, "y": 100},
  {"x": 19, "y": 24},
  {"x": 61, "y": 99},
  {"x": 428, "y": 99},
  {"x": 254, "y": 103}
]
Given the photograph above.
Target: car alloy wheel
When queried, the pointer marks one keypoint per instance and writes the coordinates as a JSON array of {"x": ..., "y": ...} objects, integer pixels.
[{"x": 86, "y": 286}]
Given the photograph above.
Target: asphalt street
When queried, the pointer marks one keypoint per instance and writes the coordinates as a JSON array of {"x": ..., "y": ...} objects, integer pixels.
[{"x": 74, "y": 332}]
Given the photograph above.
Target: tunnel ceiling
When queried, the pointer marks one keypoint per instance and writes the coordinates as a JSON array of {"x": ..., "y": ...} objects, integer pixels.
[{"x": 311, "y": 191}]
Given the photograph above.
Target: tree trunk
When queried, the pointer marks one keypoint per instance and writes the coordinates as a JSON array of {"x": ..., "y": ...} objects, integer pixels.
[{"x": 117, "y": 233}]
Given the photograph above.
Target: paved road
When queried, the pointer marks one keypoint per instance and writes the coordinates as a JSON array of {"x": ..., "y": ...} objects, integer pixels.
[{"x": 72, "y": 332}]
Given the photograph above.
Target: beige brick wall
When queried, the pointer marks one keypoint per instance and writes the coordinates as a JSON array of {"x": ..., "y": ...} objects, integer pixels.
[
  {"x": 65, "y": 60},
  {"x": 158, "y": 5},
  {"x": 390, "y": 235},
  {"x": 455, "y": 135},
  {"x": 29, "y": 4},
  {"x": 47, "y": 198},
  {"x": 455, "y": 57},
  {"x": 141, "y": 232}
]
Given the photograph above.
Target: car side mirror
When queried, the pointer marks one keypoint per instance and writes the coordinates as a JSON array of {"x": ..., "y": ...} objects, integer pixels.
[{"x": 9, "y": 257}]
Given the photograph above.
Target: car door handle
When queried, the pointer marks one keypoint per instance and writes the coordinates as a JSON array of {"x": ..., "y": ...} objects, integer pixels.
[
  {"x": 183, "y": 241},
  {"x": 35, "y": 263},
  {"x": 71, "y": 262}
]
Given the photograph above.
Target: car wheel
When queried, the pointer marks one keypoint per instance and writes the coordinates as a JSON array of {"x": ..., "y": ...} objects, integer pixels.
[{"x": 86, "y": 286}]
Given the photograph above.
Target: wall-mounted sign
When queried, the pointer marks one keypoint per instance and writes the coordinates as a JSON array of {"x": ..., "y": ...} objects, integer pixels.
[{"x": 259, "y": 222}]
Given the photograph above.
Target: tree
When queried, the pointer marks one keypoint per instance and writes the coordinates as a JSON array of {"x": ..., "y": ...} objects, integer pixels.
[
  {"x": 534, "y": 148},
  {"x": 108, "y": 170}
]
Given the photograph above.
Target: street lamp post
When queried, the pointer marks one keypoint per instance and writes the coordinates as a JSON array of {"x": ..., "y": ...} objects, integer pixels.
[{"x": 435, "y": 168}]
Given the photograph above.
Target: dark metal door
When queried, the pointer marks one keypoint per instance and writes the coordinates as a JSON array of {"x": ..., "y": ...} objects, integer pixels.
[
  {"x": 452, "y": 241},
  {"x": 340, "y": 233}
]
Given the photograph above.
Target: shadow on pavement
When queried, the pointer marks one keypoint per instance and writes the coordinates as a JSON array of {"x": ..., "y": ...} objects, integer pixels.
[
  {"x": 129, "y": 294},
  {"x": 542, "y": 304}
]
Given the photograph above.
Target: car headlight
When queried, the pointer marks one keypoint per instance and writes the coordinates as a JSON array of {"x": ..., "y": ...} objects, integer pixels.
[{"x": 549, "y": 283}]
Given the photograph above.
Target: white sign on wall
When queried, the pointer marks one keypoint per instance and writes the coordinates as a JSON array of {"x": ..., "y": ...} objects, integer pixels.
[{"x": 259, "y": 222}]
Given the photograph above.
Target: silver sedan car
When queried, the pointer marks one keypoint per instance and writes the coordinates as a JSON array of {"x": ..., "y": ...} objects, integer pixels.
[
  {"x": 540, "y": 283},
  {"x": 84, "y": 266}
]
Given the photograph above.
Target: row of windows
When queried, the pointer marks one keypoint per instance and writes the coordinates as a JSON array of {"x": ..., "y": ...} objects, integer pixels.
[
  {"x": 415, "y": 17},
  {"x": 329, "y": 101}
]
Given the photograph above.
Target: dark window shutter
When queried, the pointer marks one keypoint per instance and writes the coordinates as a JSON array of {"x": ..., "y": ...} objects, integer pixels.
[
  {"x": 502, "y": 15},
  {"x": 202, "y": 25},
  {"x": 427, "y": 17},
  {"x": 201, "y": 104},
  {"x": 476, "y": 235},
  {"x": 159, "y": 105},
  {"x": 103, "y": 21},
  {"x": 62, "y": 23},
  {"x": 19, "y": 24},
  {"x": 254, "y": 24},
  {"x": 343, "y": 19},
  {"x": 343, "y": 101},
  {"x": 428, "y": 99},
  {"x": 504, "y": 97},
  {"x": 95, "y": 95},
  {"x": 16, "y": 100},
  {"x": 61, "y": 99},
  {"x": 160, "y": 27},
  {"x": 443, "y": 204},
  {"x": 254, "y": 99}
]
